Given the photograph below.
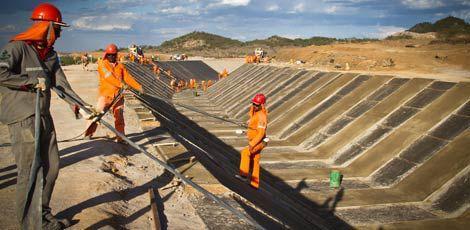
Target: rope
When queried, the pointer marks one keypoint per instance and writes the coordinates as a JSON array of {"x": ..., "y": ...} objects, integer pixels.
[{"x": 192, "y": 109}]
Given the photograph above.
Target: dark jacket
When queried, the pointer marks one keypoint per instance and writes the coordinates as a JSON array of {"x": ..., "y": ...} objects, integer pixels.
[{"x": 19, "y": 66}]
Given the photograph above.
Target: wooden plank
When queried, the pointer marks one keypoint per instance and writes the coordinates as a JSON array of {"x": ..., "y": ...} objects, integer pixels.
[{"x": 153, "y": 204}]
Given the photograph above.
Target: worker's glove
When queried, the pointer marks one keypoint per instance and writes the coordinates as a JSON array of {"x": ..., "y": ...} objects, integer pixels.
[
  {"x": 141, "y": 92},
  {"x": 41, "y": 84},
  {"x": 93, "y": 112},
  {"x": 239, "y": 131},
  {"x": 125, "y": 86}
]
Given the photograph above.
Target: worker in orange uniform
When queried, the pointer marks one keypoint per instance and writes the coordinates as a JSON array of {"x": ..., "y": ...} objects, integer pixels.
[
  {"x": 191, "y": 83},
  {"x": 256, "y": 133},
  {"x": 112, "y": 77},
  {"x": 209, "y": 83},
  {"x": 223, "y": 74},
  {"x": 203, "y": 85}
]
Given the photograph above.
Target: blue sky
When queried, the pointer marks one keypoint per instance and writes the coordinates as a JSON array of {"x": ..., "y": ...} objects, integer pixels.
[{"x": 99, "y": 22}]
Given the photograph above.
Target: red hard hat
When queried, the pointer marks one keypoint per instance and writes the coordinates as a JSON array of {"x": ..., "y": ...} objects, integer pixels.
[
  {"x": 259, "y": 99},
  {"x": 48, "y": 12},
  {"x": 111, "y": 49}
]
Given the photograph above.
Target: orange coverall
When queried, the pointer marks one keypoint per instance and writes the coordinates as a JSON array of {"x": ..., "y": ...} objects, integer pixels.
[
  {"x": 256, "y": 133},
  {"x": 112, "y": 76}
]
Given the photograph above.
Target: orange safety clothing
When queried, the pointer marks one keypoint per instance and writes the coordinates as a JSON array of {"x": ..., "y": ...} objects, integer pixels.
[
  {"x": 42, "y": 31},
  {"x": 118, "y": 114},
  {"x": 203, "y": 85},
  {"x": 256, "y": 132},
  {"x": 113, "y": 77},
  {"x": 209, "y": 83}
]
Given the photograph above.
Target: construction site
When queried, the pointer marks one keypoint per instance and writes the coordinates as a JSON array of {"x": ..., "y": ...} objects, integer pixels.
[
  {"x": 400, "y": 145},
  {"x": 369, "y": 135}
]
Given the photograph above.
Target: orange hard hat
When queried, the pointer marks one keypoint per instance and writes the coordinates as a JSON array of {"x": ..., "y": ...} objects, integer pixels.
[
  {"x": 259, "y": 99},
  {"x": 48, "y": 12},
  {"x": 110, "y": 49}
]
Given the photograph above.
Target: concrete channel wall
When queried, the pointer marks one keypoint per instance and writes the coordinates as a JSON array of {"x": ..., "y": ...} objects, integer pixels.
[{"x": 400, "y": 144}]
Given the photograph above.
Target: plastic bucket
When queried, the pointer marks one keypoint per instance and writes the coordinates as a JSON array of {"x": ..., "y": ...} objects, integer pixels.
[
  {"x": 195, "y": 93},
  {"x": 335, "y": 179}
]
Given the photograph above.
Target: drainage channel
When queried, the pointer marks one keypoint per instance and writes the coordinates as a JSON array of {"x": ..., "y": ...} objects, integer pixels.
[{"x": 221, "y": 160}]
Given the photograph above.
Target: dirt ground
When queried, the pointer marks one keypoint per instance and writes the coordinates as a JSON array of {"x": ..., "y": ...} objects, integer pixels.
[
  {"x": 101, "y": 185},
  {"x": 405, "y": 58}
]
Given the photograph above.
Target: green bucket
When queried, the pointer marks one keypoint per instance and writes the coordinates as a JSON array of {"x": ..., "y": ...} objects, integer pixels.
[
  {"x": 335, "y": 179},
  {"x": 195, "y": 93}
]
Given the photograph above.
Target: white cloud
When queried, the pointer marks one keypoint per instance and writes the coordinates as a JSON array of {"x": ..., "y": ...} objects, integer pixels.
[
  {"x": 465, "y": 2},
  {"x": 273, "y": 7},
  {"x": 422, "y": 4},
  {"x": 180, "y": 10},
  {"x": 384, "y": 31},
  {"x": 298, "y": 8},
  {"x": 235, "y": 2},
  {"x": 119, "y": 21},
  {"x": 332, "y": 9},
  {"x": 463, "y": 14}
]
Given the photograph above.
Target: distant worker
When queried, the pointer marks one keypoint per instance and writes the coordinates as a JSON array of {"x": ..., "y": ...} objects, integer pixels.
[
  {"x": 256, "y": 133},
  {"x": 223, "y": 74},
  {"x": 173, "y": 84},
  {"x": 209, "y": 83},
  {"x": 85, "y": 61},
  {"x": 112, "y": 77},
  {"x": 29, "y": 63},
  {"x": 196, "y": 85},
  {"x": 203, "y": 85},
  {"x": 191, "y": 83}
]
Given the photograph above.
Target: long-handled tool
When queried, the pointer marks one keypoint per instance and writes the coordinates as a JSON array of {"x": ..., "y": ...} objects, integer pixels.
[
  {"x": 36, "y": 175},
  {"x": 71, "y": 99}
]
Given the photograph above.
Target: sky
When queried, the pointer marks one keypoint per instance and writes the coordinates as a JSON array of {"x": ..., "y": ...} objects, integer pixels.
[{"x": 96, "y": 23}]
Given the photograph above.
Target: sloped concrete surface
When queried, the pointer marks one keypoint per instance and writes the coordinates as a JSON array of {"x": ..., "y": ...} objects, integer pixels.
[{"x": 396, "y": 142}]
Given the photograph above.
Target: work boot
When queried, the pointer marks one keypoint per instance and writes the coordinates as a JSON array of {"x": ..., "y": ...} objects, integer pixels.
[
  {"x": 50, "y": 222},
  {"x": 242, "y": 178},
  {"x": 87, "y": 137}
]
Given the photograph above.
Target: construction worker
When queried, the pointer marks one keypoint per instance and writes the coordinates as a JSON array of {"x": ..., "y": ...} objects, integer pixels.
[
  {"x": 223, "y": 74},
  {"x": 203, "y": 85},
  {"x": 209, "y": 83},
  {"x": 29, "y": 61},
  {"x": 191, "y": 83},
  {"x": 173, "y": 84},
  {"x": 256, "y": 133},
  {"x": 85, "y": 61},
  {"x": 112, "y": 77}
]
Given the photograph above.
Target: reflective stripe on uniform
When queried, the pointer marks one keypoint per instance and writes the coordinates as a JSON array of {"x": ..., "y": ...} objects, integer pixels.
[
  {"x": 31, "y": 69},
  {"x": 107, "y": 73}
]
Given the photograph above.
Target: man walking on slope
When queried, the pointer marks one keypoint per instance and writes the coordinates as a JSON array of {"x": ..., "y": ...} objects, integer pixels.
[
  {"x": 113, "y": 76},
  {"x": 256, "y": 134},
  {"x": 28, "y": 63}
]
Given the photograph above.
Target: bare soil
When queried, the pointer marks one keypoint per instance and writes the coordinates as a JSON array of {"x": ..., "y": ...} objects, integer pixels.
[{"x": 406, "y": 58}]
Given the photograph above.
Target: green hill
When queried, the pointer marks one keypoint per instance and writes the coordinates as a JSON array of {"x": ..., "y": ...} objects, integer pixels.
[
  {"x": 206, "y": 44},
  {"x": 199, "y": 40},
  {"x": 449, "y": 29}
]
